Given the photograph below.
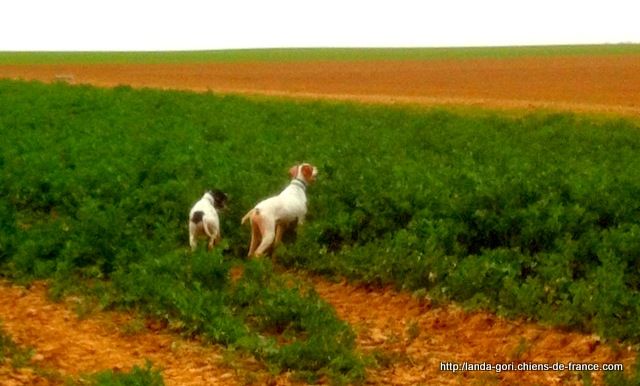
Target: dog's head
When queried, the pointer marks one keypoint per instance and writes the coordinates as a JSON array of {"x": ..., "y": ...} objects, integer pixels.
[
  {"x": 219, "y": 198},
  {"x": 305, "y": 172}
]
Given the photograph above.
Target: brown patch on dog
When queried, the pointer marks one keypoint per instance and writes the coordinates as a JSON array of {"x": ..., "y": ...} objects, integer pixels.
[
  {"x": 307, "y": 172},
  {"x": 257, "y": 230},
  {"x": 197, "y": 216},
  {"x": 258, "y": 221}
]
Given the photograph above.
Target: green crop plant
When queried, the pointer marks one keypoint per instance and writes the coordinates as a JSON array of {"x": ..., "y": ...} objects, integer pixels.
[
  {"x": 11, "y": 353},
  {"x": 137, "y": 376}
]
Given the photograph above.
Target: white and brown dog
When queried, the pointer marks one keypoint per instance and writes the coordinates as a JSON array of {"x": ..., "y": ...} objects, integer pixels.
[
  {"x": 203, "y": 219},
  {"x": 269, "y": 217}
]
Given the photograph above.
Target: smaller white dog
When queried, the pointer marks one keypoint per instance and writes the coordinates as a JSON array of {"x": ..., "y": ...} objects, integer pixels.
[
  {"x": 269, "y": 217},
  {"x": 203, "y": 219}
]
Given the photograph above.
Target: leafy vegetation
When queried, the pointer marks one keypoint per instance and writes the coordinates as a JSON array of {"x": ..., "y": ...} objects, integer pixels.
[
  {"x": 138, "y": 376},
  {"x": 535, "y": 215},
  {"x": 11, "y": 353},
  {"x": 619, "y": 378}
]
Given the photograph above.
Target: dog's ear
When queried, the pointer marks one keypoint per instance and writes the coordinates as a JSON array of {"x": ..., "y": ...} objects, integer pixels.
[
  {"x": 307, "y": 172},
  {"x": 293, "y": 172}
]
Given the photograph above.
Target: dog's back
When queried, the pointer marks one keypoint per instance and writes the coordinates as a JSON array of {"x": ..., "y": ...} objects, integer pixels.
[{"x": 290, "y": 204}]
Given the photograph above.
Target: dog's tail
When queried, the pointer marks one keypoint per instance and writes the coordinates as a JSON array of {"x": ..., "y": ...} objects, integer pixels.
[
  {"x": 197, "y": 218},
  {"x": 205, "y": 226},
  {"x": 249, "y": 215}
]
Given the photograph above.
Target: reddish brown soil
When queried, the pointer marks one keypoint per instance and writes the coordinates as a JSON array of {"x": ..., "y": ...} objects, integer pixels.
[
  {"x": 408, "y": 337},
  {"x": 67, "y": 346},
  {"x": 599, "y": 83},
  {"x": 412, "y": 340},
  {"x": 10, "y": 376}
]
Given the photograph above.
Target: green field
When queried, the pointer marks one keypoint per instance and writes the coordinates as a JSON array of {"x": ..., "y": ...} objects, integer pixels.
[
  {"x": 535, "y": 216},
  {"x": 309, "y": 54}
]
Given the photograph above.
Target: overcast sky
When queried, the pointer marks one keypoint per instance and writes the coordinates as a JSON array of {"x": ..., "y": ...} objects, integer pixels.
[{"x": 114, "y": 25}]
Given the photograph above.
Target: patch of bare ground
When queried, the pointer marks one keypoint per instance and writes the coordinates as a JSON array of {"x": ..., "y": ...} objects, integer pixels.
[
  {"x": 10, "y": 376},
  {"x": 411, "y": 340},
  {"x": 603, "y": 84},
  {"x": 68, "y": 346},
  {"x": 408, "y": 338}
]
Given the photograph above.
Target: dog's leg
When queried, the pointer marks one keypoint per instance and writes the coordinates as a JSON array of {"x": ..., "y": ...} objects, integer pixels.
[
  {"x": 209, "y": 230},
  {"x": 267, "y": 228},
  {"x": 279, "y": 231},
  {"x": 277, "y": 240},
  {"x": 255, "y": 238},
  {"x": 193, "y": 242}
]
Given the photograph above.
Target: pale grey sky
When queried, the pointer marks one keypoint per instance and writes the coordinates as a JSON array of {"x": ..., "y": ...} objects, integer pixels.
[{"x": 190, "y": 24}]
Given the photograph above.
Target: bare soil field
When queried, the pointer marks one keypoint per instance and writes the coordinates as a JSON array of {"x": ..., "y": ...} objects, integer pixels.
[
  {"x": 68, "y": 346},
  {"x": 603, "y": 84}
]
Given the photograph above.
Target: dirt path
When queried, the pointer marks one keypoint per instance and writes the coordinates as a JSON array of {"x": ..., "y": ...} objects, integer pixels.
[
  {"x": 412, "y": 340},
  {"x": 68, "y": 346},
  {"x": 609, "y": 84},
  {"x": 409, "y": 339}
]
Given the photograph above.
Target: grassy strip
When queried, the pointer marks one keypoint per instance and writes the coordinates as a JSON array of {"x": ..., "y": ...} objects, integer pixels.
[{"x": 307, "y": 54}]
